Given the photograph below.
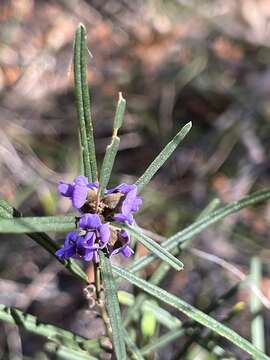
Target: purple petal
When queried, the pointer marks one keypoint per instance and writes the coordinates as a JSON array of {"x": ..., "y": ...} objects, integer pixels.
[
  {"x": 65, "y": 189},
  {"x": 123, "y": 188},
  {"x": 93, "y": 185},
  {"x": 90, "y": 221},
  {"x": 136, "y": 204},
  {"x": 60, "y": 252},
  {"x": 128, "y": 203},
  {"x": 81, "y": 180},
  {"x": 89, "y": 239},
  {"x": 127, "y": 251},
  {"x": 130, "y": 219},
  {"x": 88, "y": 255},
  {"x": 71, "y": 238},
  {"x": 105, "y": 234},
  {"x": 79, "y": 196},
  {"x": 66, "y": 252},
  {"x": 120, "y": 217}
]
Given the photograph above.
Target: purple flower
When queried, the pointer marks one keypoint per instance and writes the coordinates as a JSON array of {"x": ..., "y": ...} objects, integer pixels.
[
  {"x": 128, "y": 204},
  {"x": 85, "y": 242},
  {"x": 96, "y": 232},
  {"x": 121, "y": 245},
  {"x": 74, "y": 247},
  {"x": 77, "y": 191},
  {"x": 69, "y": 248}
]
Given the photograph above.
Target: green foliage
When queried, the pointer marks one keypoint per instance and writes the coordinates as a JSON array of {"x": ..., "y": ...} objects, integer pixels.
[
  {"x": 132, "y": 348},
  {"x": 183, "y": 236},
  {"x": 87, "y": 144},
  {"x": 154, "y": 247},
  {"x": 191, "y": 312},
  {"x": 113, "y": 307},
  {"x": 66, "y": 345},
  {"x": 58, "y": 336},
  {"x": 112, "y": 149},
  {"x": 162, "y": 157},
  {"x": 37, "y": 224},
  {"x": 65, "y": 353}
]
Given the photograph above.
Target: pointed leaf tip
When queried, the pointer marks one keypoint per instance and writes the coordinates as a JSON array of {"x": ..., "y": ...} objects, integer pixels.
[
  {"x": 81, "y": 26},
  {"x": 120, "y": 97},
  {"x": 163, "y": 156}
]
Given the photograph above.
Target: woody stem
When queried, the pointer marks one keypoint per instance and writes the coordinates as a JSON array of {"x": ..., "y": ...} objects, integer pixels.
[{"x": 100, "y": 301}]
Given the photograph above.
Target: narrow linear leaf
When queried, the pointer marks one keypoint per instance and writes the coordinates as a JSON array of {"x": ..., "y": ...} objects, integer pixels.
[
  {"x": 160, "y": 273},
  {"x": 41, "y": 238},
  {"x": 211, "y": 207},
  {"x": 120, "y": 111},
  {"x": 162, "y": 270},
  {"x": 108, "y": 162},
  {"x": 85, "y": 156},
  {"x": 187, "y": 325},
  {"x": 65, "y": 353},
  {"x": 163, "y": 316},
  {"x": 37, "y": 224},
  {"x": 86, "y": 105},
  {"x": 257, "y": 324},
  {"x": 182, "y": 236},
  {"x": 191, "y": 312},
  {"x": 83, "y": 105},
  {"x": 113, "y": 307},
  {"x": 162, "y": 341},
  {"x": 162, "y": 157},
  {"x": 112, "y": 149},
  {"x": 51, "y": 332},
  {"x": 134, "y": 351},
  {"x": 154, "y": 247}
]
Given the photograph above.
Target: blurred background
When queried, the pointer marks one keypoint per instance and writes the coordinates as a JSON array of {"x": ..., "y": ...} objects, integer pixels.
[{"x": 174, "y": 61}]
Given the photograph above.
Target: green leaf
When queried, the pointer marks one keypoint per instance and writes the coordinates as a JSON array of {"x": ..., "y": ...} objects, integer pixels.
[
  {"x": 163, "y": 316},
  {"x": 162, "y": 157},
  {"x": 108, "y": 162},
  {"x": 112, "y": 149},
  {"x": 83, "y": 105},
  {"x": 113, "y": 307},
  {"x": 182, "y": 236},
  {"x": 257, "y": 324},
  {"x": 154, "y": 247},
  {"x": 134, "y": 351},
  {"x": 37, "y": 224},
  {"x": 120, "y": 111},
  {"x": 191, "y": 312},
  {"x": 190, "y": 328},
  {"x": 162, "y": 270},
  {"x": 162, "y": 341},
  {"x": 8, "y": 212},
  {"x": 65, "y": 353},
  {"x": 51, "y": 332}
]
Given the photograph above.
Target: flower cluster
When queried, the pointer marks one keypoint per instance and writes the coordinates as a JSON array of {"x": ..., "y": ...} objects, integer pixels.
[{"x": 95, "y": 231}]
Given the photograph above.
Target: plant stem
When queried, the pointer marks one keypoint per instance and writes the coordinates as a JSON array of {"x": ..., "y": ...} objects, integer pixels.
[{"x": 100, "y": 301}]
